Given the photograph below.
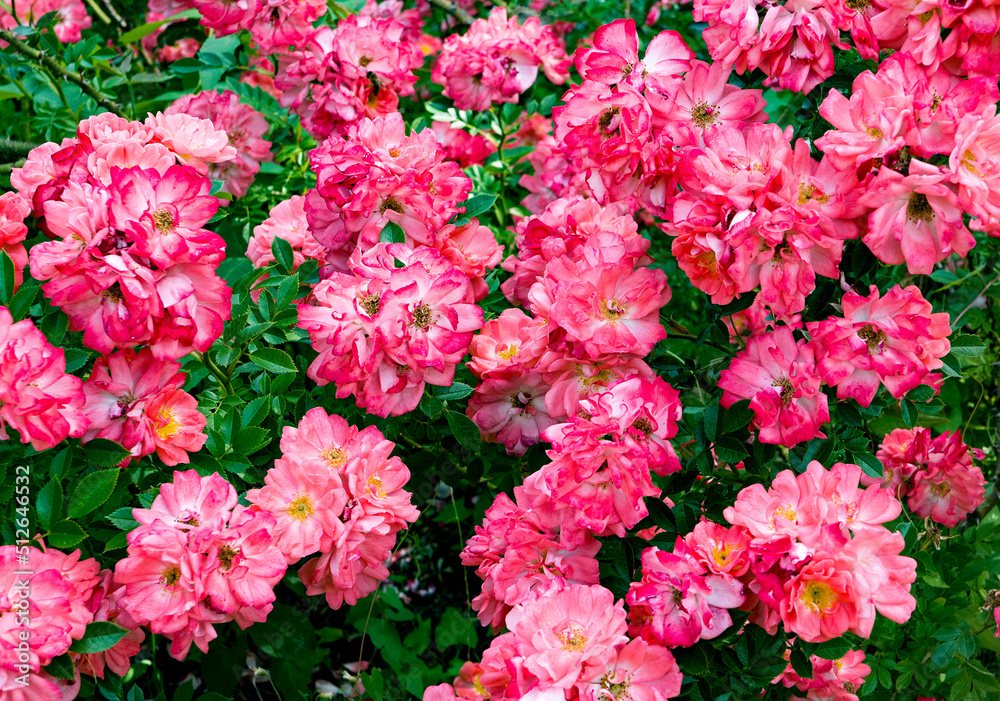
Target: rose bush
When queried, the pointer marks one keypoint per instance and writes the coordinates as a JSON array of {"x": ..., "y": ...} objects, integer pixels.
[{"x": 569, "y": 351}]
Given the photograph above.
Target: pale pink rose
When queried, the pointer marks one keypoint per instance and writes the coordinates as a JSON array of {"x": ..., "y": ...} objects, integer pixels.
[
  {"x": 191, "y": 502},
  {"x": 14, "y": 208},
  {"x": 567, "y": 632},
  {"x": 137, "y": 401},
  {"x": 648, "y": 673},
  {"x": 946, "y": 486},
  {"x": 197, "y": 142},
  {"x": 245, "y": 128},
  {"x": 242, "y": 566},
  {"x": 512, "y": 339}
]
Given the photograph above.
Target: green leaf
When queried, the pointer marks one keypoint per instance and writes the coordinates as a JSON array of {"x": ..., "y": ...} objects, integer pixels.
[
  {"x": 255, "y": 411},
  {"x": 273, "y": 360},
  {"x": 737, "y": 416},
  {"x": 477, "y": 204},
  {"x": 48, "y": 503},
  {"x": 66, "y": 534},
  {"x": 711, "y": 421},
  {"x": 92, "y": 491},
  {"x": 661, "y": 514},
  {"x": 185, "y": 692},
  {"x": 920, "y": 393},
  {"x": 730, "y": 450},
  {"x": 392, "y": 233},
  {"x": 418, "y": 639},
  {"x": 123, "y": 519},
  {"x": 909, "y": 412},
  {"x": 250, "y": 440},
  {"x": 6, "y": 278},
  {"x": 104, "y": 453},
  {"x": 870, "y": 465},
  {"x": 283, "y": 256},
  {"x": 737, "y": 305},
  {"x": 801, "y": 664},
  {"x": 118, "y": 541},
  {"x": 22, "y": 300},
  {"x": 967, "y": 345},
  {"x": 464, "y": 430},
  {"x": 458, "y": 390},
  {"x": 431, "y": 406},
  {"x": 943, "y": 276},
  {"x": 455, "y": 630},
  {"x": 833, "y": 649},
  {"x": 944, "y": 653},
  {"x": 61, "y": 667},
  {"x": 134, "y": 35},
  {"x": 288, "y": 290},
  {"x": 374, "y": 684},
  {"x": 952, "y": 366},
  {"x": 99, "y": 636}
]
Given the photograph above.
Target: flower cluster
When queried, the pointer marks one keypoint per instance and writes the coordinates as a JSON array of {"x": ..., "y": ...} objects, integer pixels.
[
  {"x": 37, "y": 397},
  {"x": 381, "y": 175},
  {"x": 337, "y": 76},
  {"x": 274, "y": 25},
  {"x": 43, "y": 609},
  {"x": 245, "y": 128},
  {"x": 895, "y": 340},
  {"x": 198, "y": 559},
  {"x": 568, "y": 641},
  {"x": 897, "y": 125},
  {"x": 581, "y": 270},
  {"x": 335, "y": 490},
  {"x": 519, "y": 549},
  {"x": 602, "y": 457},
  {"x": 139, "y": 402},
  {"x": 685, "y": 596},
  {"x": 792, "y": 42},
  {"x": 755, "y": 211},
  {"x": 832, "y": 680},
  {"x": 820, "y": 562},
  {"x": 125, "y": 204},
  {"x": 497, "y": 60},
  {"x": 779, "y": 376},
  {"x": 934, "y": 474},
  {"x": 626, "y": 124},
  {"x": 401, "y": 318},
  {"x": 959, "y": 37},
  {"x": 72, "y": 17}
]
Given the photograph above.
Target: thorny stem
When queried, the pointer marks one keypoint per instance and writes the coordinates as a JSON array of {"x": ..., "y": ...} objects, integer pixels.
[
  {"x": 61, "y": 72},
  {"x": 9, "y": 147}
]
